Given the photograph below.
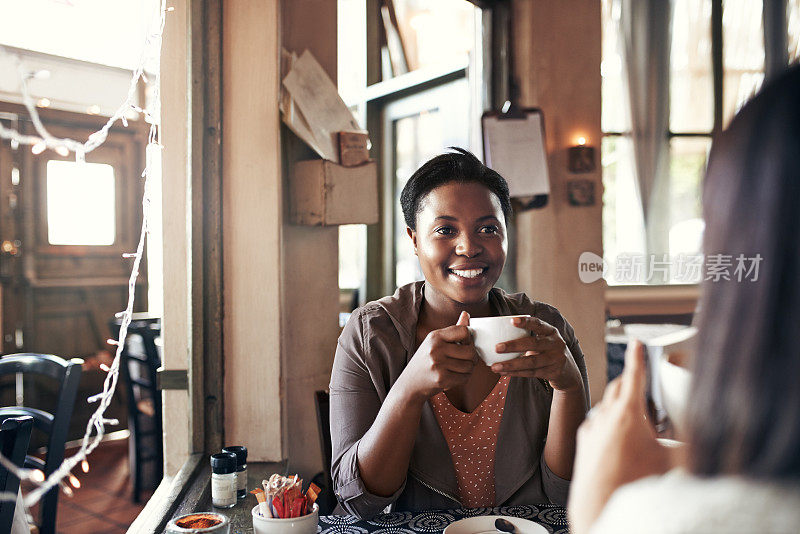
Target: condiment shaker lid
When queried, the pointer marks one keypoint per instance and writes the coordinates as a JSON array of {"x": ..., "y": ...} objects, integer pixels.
[
  {"x": 223, "y": 463},
  {"x": 240, "y": 451}
]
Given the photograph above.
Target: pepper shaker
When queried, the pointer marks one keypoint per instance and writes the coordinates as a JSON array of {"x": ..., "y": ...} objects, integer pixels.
[{"x": 241, "y": 469}]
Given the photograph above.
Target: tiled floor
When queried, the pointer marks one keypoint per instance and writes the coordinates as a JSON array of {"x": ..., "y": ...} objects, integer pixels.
[{"x": 103, "y": 503}]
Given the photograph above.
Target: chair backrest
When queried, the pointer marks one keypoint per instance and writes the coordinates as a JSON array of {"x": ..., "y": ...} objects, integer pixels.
[
  {"x": 327, "y": 502},
  {"x": 139, "y": 363},
  {"x": 322, "y": 403},
  {"x": 15, "y": 435},
  {"x": 55, "y": 424}
]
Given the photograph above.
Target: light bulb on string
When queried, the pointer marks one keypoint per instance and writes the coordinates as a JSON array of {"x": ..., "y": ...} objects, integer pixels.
[
  {"x": 66, "y": 489},
  {"x": 73, "y": 480},
  {"x": 85, "y": 465},
  {"x": 38, "y": 148},
  {"x": 37, "y": 476},
  {"x": 63, "y": 151}
]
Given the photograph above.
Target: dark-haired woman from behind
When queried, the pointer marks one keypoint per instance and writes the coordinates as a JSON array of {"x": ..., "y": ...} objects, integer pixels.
[
  {"x": 741, "y": 470},
  {"x": 418, "y": 422}
]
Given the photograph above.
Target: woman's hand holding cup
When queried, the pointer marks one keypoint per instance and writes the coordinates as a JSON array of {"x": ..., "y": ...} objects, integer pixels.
[
  {"x": 545, "y": 355},
  {"x": 445, "y": 359}
]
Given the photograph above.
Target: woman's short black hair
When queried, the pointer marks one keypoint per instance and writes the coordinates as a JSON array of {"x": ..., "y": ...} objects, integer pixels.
[
  {"x": 458, "y": 166},
  {"x": 745, "y": 395}
]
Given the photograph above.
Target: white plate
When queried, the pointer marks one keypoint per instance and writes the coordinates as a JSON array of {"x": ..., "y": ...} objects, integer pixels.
[{"x": 484, "y": 524}]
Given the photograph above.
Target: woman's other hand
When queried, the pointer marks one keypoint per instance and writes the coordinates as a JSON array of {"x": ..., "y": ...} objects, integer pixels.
[
  {"x": 616, "y": 444},
  {"x": 445, "y": 359},
  {"x": 545, "y": 356}
]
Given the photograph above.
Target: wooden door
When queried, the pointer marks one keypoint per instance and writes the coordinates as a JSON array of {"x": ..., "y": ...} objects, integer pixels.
[
  {"x": 70, "y": 225},
  {"x": 12, "y": 310}
]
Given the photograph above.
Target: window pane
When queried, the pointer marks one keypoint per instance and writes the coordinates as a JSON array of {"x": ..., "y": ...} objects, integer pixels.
[
  {"x": 793, "y": 24},
  {"x": 688, "y": 157},
  {"x": 691, "y": 79},
  {"x": 352, "y": 49},
  {"x": 431, "y": 32},
  {"x": 417, "y": 139},
  {"x": 743, "y": 53},
  {"x": 80, "y": 203},
  {"x": 352, "y": 255},
  {"x": 614, "y": 92},
  {"x": 623, "y": 227}
]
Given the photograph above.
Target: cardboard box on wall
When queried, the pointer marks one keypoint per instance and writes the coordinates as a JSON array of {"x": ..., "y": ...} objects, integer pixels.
[{"x": 326, "y": 194}]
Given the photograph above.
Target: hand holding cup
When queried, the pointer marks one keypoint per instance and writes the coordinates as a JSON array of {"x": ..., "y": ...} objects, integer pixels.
[
  {"x": 445, "y": 359},
  {"x": 541, "y": 353}
]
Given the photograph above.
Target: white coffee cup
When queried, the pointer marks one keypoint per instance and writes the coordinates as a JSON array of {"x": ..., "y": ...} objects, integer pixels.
[
  {"x": 675, "y": 380},
  {"x": 489, "y": 331}
]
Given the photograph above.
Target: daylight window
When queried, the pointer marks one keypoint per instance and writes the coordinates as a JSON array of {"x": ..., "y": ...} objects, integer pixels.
[{"x": 80, "y": 203}]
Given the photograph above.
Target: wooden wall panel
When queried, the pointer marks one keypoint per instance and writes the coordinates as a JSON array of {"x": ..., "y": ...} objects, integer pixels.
[
  {"x": 557, "y": 59},
  {"x": 252, "y": 215},
  {"x": 310, "y": 265},
  {"x": 176, "y": 326}
]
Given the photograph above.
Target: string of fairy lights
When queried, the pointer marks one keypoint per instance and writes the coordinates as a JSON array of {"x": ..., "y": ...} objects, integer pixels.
[{"x": 43, "y": 140}]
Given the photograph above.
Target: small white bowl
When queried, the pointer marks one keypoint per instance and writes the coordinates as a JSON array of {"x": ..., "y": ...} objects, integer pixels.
[{"x": 306, "y": 524}]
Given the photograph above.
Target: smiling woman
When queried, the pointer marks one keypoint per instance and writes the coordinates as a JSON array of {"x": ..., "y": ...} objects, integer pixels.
[{"x": 418, "y": 421}]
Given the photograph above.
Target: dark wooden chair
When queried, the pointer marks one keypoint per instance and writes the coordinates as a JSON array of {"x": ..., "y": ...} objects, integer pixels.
[
  {"x": 15, "y": 435},
  {"x": 54, "y": 424},
  {"x": 326, "y": 501},
  {"x": 138, "y": 366}
]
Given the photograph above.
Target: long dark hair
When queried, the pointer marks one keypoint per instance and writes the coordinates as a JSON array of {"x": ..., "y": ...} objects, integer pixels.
[{"x": 745, "y": 401}]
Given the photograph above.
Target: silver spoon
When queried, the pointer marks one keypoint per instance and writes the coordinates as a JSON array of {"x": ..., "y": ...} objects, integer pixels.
[{"x": 504, "y": 526}]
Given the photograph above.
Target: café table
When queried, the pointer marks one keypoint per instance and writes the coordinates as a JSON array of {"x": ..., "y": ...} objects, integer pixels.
[
  {"x": 190, "y": 492},
  {"x": 550, "y": 516}
]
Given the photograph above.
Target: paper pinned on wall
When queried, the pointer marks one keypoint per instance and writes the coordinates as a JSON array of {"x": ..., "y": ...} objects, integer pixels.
[
  {"x": 292, "y": 116},
  {"x": 515, "y": 148},
  {"x": 315, "y": 111}
]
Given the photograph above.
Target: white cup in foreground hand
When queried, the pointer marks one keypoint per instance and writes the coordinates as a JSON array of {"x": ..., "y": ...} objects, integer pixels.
[
  {"x": 675, "y": 381},
  {"x": 489, "y": 331}
]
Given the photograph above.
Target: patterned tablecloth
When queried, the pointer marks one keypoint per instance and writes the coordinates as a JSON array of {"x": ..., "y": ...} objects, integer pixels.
[{"x": 552, "y": 517}]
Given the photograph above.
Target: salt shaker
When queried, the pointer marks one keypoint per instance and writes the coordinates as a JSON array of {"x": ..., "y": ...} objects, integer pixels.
[
  {"x": 241, "y": 469},
  {"x": 223, "y": 480}
]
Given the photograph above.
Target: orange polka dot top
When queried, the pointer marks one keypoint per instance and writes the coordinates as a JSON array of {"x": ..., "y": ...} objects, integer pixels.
[{"x": 472, "y": 440}]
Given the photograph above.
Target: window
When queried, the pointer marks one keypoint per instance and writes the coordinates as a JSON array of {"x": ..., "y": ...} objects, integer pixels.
[
  {"x": 80, "y": 203},
  {"x": 700, "y": 101},
  {"x": 418, "y": 128},
  {"x": 426, "y": 34},
  {"x": 410, "y": 71},
  {"x": 793, "y": 23}
]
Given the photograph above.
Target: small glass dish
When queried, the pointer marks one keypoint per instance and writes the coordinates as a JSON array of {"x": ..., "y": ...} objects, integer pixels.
[{"x": 200, "y": 523}]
